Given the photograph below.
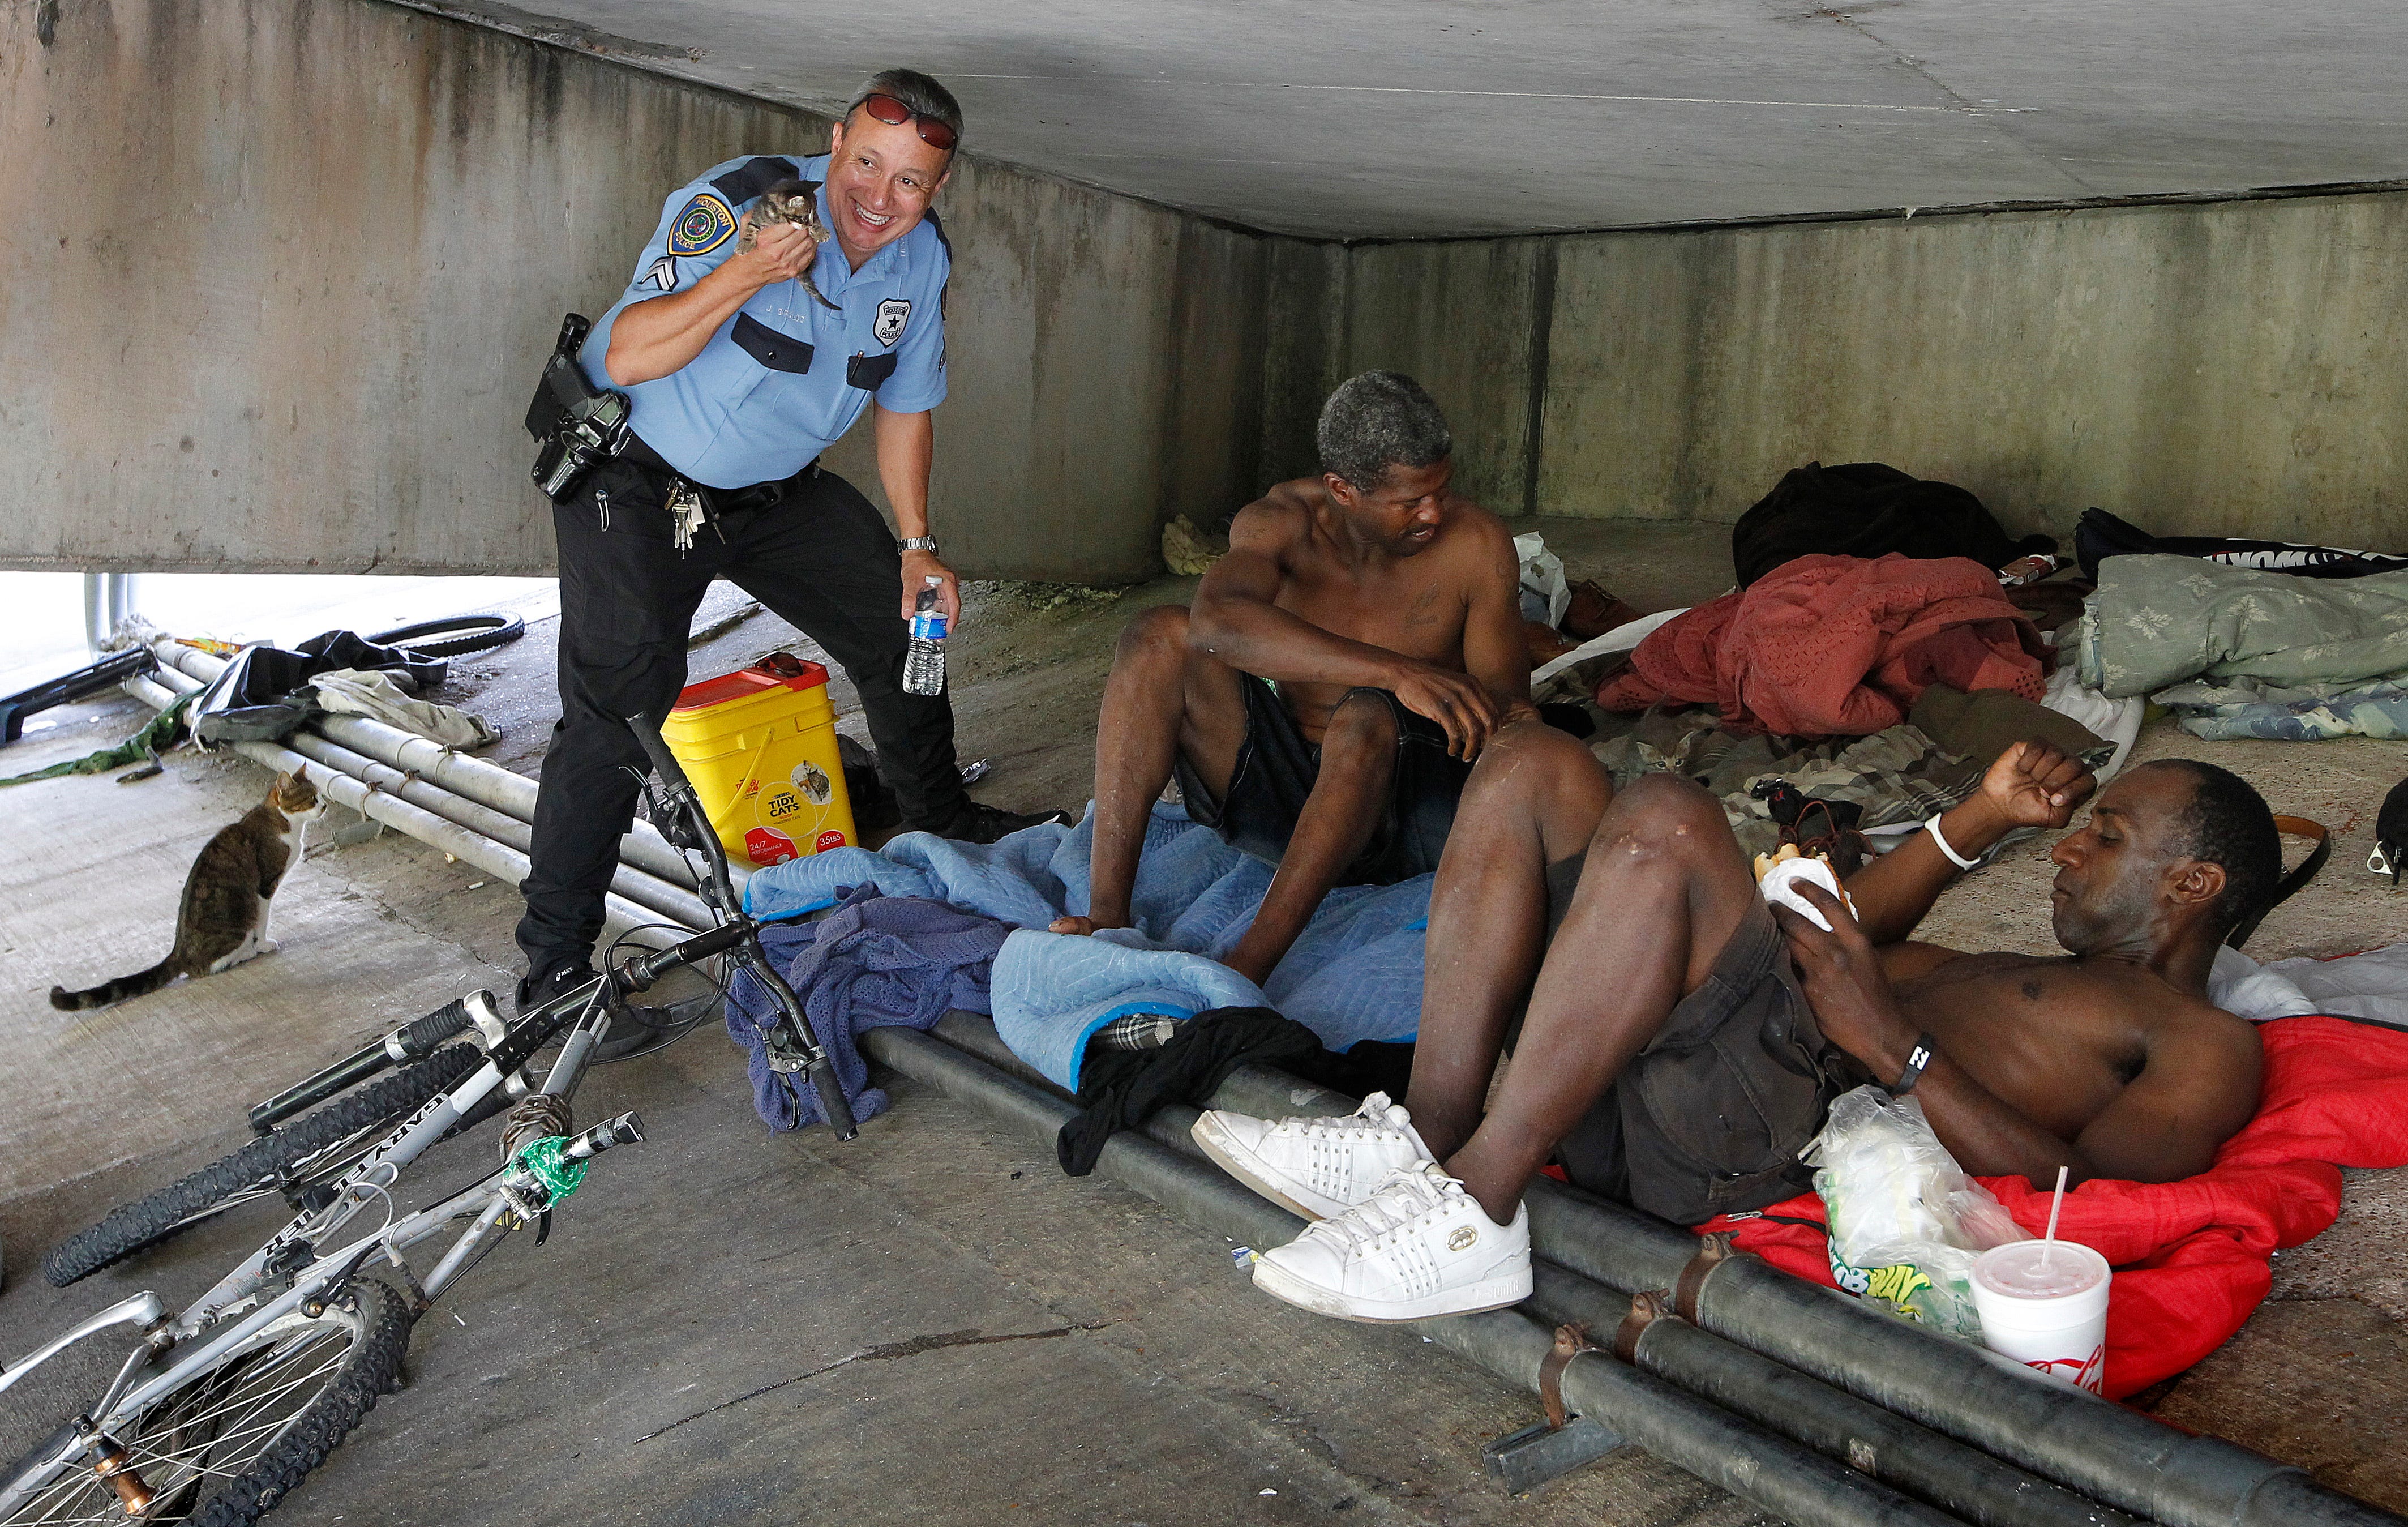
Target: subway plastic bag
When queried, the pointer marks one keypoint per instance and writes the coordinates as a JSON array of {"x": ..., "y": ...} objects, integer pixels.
[{"x": 1906, "y": 1223}]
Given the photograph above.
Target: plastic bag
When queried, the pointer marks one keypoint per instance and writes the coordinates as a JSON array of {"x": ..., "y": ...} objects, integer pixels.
[
  {"x": 1906, "y": 1223},
  {"x": 1545, "y": 593}
]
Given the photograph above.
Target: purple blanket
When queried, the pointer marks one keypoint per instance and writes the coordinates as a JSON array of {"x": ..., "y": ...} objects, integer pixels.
[{"x": 872, "y": 961}]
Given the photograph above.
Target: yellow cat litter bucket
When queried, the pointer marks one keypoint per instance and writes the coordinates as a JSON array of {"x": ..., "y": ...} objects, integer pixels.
[{"x": 760, "y": 746}]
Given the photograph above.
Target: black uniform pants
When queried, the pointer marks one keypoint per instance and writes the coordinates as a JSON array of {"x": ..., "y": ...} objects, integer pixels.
[{"x": 820, "y": 559}]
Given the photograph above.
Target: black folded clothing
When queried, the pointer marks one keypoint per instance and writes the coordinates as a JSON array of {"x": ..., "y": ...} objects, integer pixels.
[
  {"x": 2101, "y": 535},
  {"x": 249, "y": 702},
  {"x": 1120, "y": 1090}
]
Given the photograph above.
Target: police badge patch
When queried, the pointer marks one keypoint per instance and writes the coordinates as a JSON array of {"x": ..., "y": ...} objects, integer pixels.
[
  {"x": 893, "y": 314},
  {"x": 704, "y": 225},
  {"x": 663, "y": 274}
]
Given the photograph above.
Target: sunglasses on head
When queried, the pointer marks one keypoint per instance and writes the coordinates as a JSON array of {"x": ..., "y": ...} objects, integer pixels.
[{"x": 893, "y": 113}]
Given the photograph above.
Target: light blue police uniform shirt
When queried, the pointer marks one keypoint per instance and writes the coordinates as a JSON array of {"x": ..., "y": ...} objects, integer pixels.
[{"x": 781, "y": 379}]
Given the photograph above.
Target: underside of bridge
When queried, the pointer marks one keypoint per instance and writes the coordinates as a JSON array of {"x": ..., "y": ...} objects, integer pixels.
[{"x": 280, "y": 271}]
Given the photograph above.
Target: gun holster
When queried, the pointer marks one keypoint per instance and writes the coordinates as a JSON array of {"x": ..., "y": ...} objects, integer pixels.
[{"x": 576, "y": 425}]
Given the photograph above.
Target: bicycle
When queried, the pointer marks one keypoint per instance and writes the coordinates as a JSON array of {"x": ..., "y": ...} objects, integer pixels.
[{"x": 221, "y": 1408}]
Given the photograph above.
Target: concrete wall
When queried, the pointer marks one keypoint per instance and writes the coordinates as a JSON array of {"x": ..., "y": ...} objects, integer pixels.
[
  {"x": 281, "y": 273},
  {"x": 2208, "y": 369}
]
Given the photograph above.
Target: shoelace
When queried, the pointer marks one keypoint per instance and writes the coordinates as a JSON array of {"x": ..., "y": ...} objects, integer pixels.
[
  {"x": 1371, "y": 1118},
  {"x": 1404, "y": 1196}
]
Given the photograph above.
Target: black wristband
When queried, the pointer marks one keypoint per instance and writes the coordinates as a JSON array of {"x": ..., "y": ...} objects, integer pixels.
[{"x": 1916, "y": 1058}]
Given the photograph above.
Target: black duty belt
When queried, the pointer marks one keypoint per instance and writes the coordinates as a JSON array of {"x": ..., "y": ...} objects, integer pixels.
[{"x": 716, "y": 501}]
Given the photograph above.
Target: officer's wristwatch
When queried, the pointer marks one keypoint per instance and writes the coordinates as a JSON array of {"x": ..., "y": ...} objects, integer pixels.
[{"x": 918, "y": 544}]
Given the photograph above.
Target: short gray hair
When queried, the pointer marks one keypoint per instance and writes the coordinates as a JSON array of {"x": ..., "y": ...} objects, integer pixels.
[
  {"x": 915, "y": 90},
  {"x": 1376, "y": 421}
]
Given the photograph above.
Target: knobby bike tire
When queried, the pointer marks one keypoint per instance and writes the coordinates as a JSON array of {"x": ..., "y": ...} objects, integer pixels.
[
  {"x": 181, "y": 1439},
  {"x": 146, "y": 1221},
  {"x": 373, "y": 1369},
  {"x": 479, "y": 633}
]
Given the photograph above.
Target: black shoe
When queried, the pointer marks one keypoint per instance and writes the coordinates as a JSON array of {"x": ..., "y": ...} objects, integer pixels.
[
  {"x": 979, "y": 823},
  {"x": 540, "y": 987}
]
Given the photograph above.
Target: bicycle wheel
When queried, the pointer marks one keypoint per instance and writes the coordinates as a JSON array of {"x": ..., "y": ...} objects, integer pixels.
[
  {"x": 225, "y": 1445},
  {"x": 310, "y": 1151},
  {"x": 478, "y": 633}
]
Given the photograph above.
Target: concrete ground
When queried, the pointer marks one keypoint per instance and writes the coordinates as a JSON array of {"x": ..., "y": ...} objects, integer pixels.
[{"x": 930, "y": 1323}]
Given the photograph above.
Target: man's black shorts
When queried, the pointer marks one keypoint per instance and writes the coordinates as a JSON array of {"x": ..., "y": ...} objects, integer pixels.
[
  {"x": 1275, "y": 770},
  {"x": 1709, "y": 1118}
]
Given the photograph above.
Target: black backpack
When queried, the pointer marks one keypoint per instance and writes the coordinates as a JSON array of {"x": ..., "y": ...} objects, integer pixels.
[{"x": 1867, "y": 508}]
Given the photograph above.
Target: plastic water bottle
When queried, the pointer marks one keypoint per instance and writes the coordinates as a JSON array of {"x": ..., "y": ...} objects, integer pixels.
[{"x": 923, "y": 670}]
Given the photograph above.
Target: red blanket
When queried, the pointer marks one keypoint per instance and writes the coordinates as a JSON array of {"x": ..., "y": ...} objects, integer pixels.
[
  {"x": 2190, "y": 1257},
  {"x": 1827, "y": 646}
]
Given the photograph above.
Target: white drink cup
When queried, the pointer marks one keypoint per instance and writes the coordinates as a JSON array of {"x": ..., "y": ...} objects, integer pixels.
[{"x": 2052, "y": 1319}]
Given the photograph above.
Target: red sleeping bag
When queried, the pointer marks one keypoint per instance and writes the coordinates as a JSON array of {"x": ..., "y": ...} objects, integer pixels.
[{"x": 2190, "y": 1257}]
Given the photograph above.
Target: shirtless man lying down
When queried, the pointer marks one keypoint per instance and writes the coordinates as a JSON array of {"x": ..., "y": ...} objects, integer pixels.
[
  {"x": 1322, "y": 700},
  {"x": 1682, "y": 1039}
]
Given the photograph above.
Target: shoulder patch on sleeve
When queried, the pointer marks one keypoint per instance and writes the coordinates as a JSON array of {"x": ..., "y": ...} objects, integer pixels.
[
  {"x": 704, "y": 225},
  {"x": 753, "y": 177}
]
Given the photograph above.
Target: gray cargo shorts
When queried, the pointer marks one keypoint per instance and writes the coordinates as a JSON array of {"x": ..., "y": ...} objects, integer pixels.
[{"x": 1709, "y": 1116}]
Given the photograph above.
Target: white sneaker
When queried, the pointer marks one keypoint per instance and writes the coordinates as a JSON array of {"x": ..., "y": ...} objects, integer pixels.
[
  {"x": 1419, "y": 1247},
  {"x": 1318, "y": 1167}
]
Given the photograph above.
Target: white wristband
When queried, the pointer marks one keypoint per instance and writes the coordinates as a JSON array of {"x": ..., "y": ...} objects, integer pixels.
[{"x": 1955, "y": 858}]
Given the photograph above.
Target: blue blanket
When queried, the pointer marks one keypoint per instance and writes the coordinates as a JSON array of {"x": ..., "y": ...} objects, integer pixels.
[{"x": 1354, "y": 975}]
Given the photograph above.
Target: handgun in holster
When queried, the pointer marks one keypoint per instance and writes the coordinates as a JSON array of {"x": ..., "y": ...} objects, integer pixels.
[{"x": 577, "y": 425}]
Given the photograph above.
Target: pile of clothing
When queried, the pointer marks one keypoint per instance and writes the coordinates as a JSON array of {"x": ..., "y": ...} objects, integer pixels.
[
  {"x": 1838, "y": 646},
  {"x": 2248, "y": 652},
  {"x": 1896, "y": 777}
]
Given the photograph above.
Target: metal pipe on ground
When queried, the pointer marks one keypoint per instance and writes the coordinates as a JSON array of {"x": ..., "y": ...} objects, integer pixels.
[
  {"x": 2116, "y": 1456},
  {"x": 1962, "y": 1481},
  {"x": 1769, "y": 1471},
  {"x": 469, "y": 847},
  {"x": 470, "y": 777},
  {"x": 669, "y": 900}
]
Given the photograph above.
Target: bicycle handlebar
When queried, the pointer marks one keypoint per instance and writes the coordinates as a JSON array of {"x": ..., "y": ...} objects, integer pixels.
[
  {"x": 626, "y": 1129},
  {"x": 413, "y": 1040},
  {"x": 792, "y": 1040}
]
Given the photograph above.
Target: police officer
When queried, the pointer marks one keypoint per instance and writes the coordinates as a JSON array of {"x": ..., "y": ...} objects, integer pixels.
[{"x": 737, "y": 377}]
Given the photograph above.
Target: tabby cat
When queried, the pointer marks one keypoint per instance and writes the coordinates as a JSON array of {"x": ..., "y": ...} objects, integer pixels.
[
  {"x": 222, "y": 919},
  {"x": 789, "y": 201}
]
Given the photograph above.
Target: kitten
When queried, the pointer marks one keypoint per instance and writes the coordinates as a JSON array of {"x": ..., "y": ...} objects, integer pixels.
[
  {"x": 222, "y": 919},
  {"x": 789, "y": 201}
]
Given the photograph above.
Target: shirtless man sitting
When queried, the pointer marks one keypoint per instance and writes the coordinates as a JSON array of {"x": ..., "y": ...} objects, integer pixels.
[
  {"x": 1386, "y": 609},
  {"x": 1682, "y": 1039}
]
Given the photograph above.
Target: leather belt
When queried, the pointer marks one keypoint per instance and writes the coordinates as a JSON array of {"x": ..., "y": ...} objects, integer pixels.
[{"x": 715, "y": 501}]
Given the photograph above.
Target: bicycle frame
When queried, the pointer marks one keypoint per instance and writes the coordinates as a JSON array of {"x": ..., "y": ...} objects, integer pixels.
[
  {"x": 486, "y": 1200},
  {"x": 248, "y": 1301}
]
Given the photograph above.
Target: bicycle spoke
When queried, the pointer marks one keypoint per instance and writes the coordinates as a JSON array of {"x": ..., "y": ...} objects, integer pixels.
[
  {"x": 252, "y": 1405},
  {"x": 215, "y": 1430}
]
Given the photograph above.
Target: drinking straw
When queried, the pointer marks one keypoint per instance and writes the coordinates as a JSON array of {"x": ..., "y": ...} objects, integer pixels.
[{"x": 2048, "y": 1242}]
